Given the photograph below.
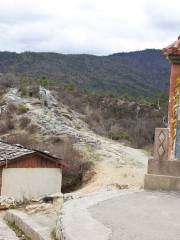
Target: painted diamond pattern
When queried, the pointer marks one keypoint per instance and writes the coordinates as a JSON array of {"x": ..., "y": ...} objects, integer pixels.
[
  {"x": 161, "y": 137},
  {"x": 161, "y": 150}
]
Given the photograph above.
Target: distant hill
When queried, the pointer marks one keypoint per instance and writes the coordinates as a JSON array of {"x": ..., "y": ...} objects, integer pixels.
[{"x": 136, "y": 73}]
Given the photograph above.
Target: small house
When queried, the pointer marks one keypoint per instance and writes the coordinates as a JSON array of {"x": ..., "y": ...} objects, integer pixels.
[{"x": 28, "y": 174}]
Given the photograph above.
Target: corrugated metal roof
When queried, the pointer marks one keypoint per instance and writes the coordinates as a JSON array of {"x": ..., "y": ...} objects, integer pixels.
[{"x": 9, "y": 151}]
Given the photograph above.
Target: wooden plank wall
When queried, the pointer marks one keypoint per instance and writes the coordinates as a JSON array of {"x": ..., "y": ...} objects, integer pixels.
[{"x": 32, "y": 161}]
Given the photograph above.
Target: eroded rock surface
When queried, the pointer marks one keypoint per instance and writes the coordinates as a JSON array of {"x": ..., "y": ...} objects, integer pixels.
[{"x": 114, "y": 162}]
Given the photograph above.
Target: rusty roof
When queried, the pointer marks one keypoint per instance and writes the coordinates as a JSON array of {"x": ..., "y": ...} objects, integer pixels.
[{"x": 173, "y": 49}]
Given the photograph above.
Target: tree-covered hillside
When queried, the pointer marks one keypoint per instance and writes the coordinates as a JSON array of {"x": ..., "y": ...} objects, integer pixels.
[{"x": 135, "y": 73}]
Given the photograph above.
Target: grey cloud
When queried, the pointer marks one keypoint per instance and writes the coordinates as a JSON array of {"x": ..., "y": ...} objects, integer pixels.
[
  {"x": 84, "y": 26},
  {"x": 21, "y": 17},
  {"x": 163, "y": 15}
]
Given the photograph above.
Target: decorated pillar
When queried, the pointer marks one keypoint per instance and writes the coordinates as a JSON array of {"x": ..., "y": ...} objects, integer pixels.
[
  {"x": 163, "y": 171},
  {"x": 172, "y": 52}
]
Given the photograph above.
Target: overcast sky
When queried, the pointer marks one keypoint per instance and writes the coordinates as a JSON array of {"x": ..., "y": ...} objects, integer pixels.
[{"x": 98, "y": 27}]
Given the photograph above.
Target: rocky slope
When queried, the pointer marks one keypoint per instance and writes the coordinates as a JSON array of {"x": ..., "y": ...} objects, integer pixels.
[{"x": 116, "y": 165}]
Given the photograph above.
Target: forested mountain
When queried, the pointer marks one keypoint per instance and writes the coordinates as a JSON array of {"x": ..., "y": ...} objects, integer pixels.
[{"x": 135, "y": 73}]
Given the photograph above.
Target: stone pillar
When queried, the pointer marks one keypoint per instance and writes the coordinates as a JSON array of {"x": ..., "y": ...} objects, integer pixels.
[{"x": 164, "y": 168}]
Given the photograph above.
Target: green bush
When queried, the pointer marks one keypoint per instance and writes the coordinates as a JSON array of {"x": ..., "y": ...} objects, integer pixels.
[{"x": 22, "y": 108}]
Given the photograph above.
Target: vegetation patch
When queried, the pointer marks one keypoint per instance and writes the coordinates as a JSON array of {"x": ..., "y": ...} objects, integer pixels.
[
  {"x": 53, "y": 235},
  {"x": 24, "y": 122},
  {"x": 78, "y": 167},
  {"x": 33, "y": 128},
  {"x": 119, "y": 136},
  {"x": 19, "y": 233},
  {"x": 22, "y": 108},
  {"x": 142, "y": 72}
]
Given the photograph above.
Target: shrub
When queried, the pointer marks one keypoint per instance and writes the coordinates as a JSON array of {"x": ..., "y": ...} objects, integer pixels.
[
  {"x": 34, "y": 91},
  {"x": 8, "y": 80},
  {"x": 3, "y": 127},
  {"x": 96, "y": 121},
  {"x": 88, "y": 171},
  {"x": 33, "y": 128},
  {"x": 21, "y": 138},
  {"x": 72, "y": 175},
  {"x": 24, "y": 122},
  {"x": 29, "y": 90},
  {"x": 55, "y": 139},
  {"x": 6, "y": 125},
  {"x": 119, "y": 136},
  {"x": 78, "y": 168},
  {"x": 10, "y": 123},
  {"x": 22, "y": 108},
  {"x": 24, "y": 90},
  {"x": 11, "y": 108}
]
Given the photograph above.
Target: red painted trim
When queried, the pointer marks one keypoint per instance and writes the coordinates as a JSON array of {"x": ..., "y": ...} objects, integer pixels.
[{"x": 171, "y": 111}]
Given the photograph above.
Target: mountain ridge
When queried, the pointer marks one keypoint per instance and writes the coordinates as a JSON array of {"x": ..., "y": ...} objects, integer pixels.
[{"x": 144, "y": 72}]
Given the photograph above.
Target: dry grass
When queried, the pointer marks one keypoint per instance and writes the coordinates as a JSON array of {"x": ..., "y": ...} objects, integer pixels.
[
  {"x": 24, "y": 122},
  {"x": 79, "y": 167},
  {"x": 22, "y": 138}
]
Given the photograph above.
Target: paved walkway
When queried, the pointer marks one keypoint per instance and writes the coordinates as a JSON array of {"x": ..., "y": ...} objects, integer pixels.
[
  {"x": 122, "y": 215},
  {"x": 5, "y": 232},
  {"x": 141, "y": 216},
  {"x": 76, "y": 222}
]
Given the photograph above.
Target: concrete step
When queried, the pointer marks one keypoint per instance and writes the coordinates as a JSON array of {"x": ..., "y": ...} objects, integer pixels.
[
  {"x": 170, "y": 168},
  {"x": 161, "y": 182},
  {"x": 6, "y": 233},
  {"x": 31, "y": 228}
]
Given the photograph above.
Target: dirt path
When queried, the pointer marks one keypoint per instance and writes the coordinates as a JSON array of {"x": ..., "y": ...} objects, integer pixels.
[{"x": 117, "y": 166}]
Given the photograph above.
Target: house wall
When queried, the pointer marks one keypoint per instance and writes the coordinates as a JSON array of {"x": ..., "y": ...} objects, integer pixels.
[{"x": 28, "y": 183}]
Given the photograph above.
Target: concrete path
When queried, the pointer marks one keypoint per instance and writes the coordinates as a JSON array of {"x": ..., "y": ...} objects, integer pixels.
[
  {"x": 5, "y": 232},
  {"x": 75, "y": 221},
  {"x": 31, "y": 228},
  {"x": 141, "y": 216},
  {"x": 121, "y": 215}
]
